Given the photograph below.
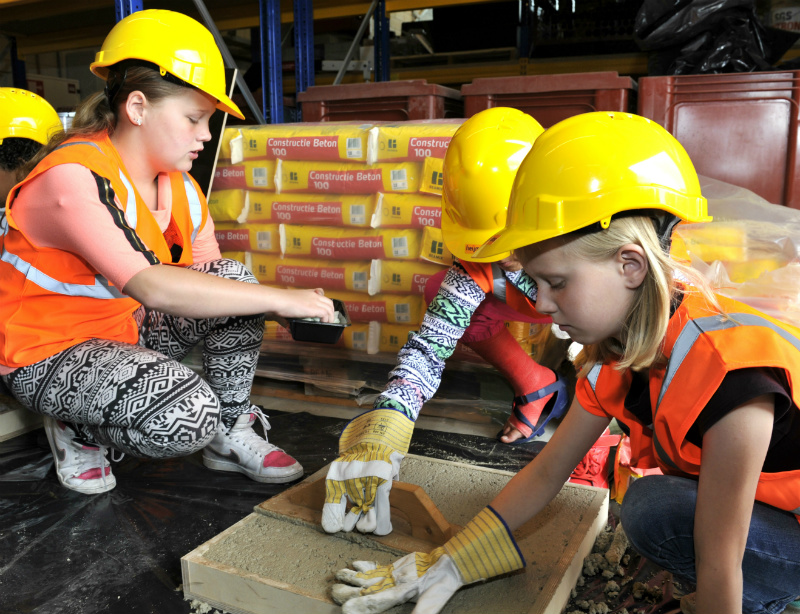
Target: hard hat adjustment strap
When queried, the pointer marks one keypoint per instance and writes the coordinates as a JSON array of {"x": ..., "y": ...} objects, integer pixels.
[
  {"x": 114, "y": 84},
  {"x": 664, "y": 223}
]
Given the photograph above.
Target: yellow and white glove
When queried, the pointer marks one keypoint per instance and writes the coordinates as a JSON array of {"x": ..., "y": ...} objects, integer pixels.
[
  {"x": 484, "y": 548},
  {"x": 371, "y": 449}
]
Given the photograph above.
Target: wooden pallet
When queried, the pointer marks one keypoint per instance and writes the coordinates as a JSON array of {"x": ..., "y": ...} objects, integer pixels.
[{"x": 278, "y": 559}]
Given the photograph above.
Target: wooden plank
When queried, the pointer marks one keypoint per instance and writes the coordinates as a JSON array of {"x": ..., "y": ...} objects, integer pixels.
[
  {"x": 15, "y": 419},
  {"x": 239, "y": 570}
]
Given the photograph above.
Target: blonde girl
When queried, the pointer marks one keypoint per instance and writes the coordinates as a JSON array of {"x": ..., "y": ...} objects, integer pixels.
[{"x": 705, "y": 386}]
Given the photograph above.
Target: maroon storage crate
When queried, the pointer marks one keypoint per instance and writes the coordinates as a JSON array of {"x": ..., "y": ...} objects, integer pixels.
[
  {"x": 380, "y": 101},
  {"x": 740, "y": 128},
  {"x": 551, "y": 98}
]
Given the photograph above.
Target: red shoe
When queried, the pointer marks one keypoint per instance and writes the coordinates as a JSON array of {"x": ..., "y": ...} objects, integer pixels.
[{"x": 593, "y": 470}]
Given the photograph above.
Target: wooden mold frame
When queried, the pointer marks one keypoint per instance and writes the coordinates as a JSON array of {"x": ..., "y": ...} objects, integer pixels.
[{"x": 418, "y": 526}]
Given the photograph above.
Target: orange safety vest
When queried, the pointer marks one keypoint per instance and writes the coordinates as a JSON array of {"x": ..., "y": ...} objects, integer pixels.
[
  {"x": 701, "y": 347},
  {"x": 482, "y": 273},
  {"x": 51, "y": 299}
]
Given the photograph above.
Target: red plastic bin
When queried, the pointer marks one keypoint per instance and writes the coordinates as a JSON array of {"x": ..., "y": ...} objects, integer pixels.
[
  {"x": 380, "y": 101},
  {"x": 551, "y": 98},
  {"x": 740, "y": 128}
]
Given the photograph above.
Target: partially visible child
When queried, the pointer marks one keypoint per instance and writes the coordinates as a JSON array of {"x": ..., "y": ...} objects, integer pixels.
[
  {"x": 472, "y": 300},
  {"x": 27, "y": 121},
  {"x": 706, "y": 386}
]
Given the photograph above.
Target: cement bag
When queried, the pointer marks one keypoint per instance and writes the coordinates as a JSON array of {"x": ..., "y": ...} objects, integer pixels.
[
  {"x": 264, "y": 238},
  {"x": 246, "y": 176},
  {"x": 410, "y": 141},
  {"x": 231, "y": 139},
  {"x": 391, "y": 308},
  {"x": 311, "y": 273},
  {"x": 407, "y": 211},
  {"x": 348, "y": 244},
  {"x": 433, "y": 248},
  {"x": 229, "y": 205},
  {"x": 432, "y": 176},
  {"x": 749, "y": 252},
  {"x": 275, "y": 332},
  {"x": 356, "y": 337},
  {"x": 336, "y": 178},
  {"x": 400, "y": 276},
  {"x": 354, "y": 210},
  {"x": 394, "y": 336},
  {"x": 325, "y": 141}
]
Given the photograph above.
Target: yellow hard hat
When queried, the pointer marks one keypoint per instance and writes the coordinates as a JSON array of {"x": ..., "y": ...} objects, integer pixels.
[
  {"x": 178, "y": 44},
  {"x": 479, "y": 168},
  {"x": 25, "y": 115},
  {"x": 587, "y": 168}
]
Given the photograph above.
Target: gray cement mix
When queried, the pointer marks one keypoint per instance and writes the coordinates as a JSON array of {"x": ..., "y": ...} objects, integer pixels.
[{"x": 306, "y": 558}]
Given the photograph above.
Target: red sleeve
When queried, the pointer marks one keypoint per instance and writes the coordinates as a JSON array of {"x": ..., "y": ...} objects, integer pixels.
[
  {"x": 585, "y": 395},
  {"x": 62, "y": 209}
]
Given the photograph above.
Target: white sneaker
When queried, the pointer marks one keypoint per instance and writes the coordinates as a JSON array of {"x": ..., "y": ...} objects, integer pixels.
[
  {"x": 79, "y": 466},
  {"x": 243, "y": 450}
]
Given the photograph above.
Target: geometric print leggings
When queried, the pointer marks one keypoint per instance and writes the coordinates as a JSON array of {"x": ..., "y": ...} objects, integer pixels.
[{"x": 139, "y": 399}]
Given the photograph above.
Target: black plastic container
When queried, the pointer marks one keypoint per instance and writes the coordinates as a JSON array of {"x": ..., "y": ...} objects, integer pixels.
[{"x": 319, "y": 332}]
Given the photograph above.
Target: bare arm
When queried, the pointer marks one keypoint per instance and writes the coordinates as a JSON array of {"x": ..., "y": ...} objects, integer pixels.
[
  {"x": 532, "y": 489},
  {"x": 192, "y": 294},
  {"x": 733, "y": 455}
]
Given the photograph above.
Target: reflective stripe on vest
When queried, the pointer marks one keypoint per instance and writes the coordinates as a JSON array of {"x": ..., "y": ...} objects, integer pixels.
[
  {"x": 3, "y": 223},
  {"x": 101, "y": 288},
  {"x": 130, "y": 207},
  {"x": 195, "y": 207}
]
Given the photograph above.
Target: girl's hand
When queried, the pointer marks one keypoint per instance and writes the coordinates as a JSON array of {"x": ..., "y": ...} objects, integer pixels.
[{"x": 303, "y": 304}]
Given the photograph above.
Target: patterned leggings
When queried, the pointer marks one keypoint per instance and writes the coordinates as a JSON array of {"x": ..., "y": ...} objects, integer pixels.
[{"x": 140, "y": 399}]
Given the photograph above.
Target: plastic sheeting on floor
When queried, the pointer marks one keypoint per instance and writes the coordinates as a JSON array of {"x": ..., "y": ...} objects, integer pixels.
[{"x": 62, "y": 552}]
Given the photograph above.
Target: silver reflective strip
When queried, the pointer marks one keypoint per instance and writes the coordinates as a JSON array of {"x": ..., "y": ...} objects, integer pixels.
[
  {"x": 130, "y": 206},
  {"x": 709, "y": 324},
  {"x": 195, "y": 207},
  {"x": 3, "y": 223},
  {"x": 594, "y": 375},
  {"x": 689, "y": 335},
  {"x": 100, "y": 290},
  {"x": 95, "y": 145}
]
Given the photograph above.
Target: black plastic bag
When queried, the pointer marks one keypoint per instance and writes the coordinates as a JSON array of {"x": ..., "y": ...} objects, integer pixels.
[{"x": 703, "y": 36}]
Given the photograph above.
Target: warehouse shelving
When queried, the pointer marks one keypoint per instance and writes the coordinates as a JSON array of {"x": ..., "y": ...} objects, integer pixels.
[{"x": 42, "y": 25}]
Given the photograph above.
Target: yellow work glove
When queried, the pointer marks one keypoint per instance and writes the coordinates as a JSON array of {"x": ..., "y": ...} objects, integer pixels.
[
  {"x": 370, "y": 451},
  {"x": 484, "y": 548}
]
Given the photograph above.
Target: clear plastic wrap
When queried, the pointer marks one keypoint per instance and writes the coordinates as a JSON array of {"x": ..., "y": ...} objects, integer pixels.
[{"x": 749, "y": 252}]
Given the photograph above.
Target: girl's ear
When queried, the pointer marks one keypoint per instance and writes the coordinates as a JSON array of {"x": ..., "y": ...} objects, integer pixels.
[
  {"x": 133, "y": 109},
  {"x": 633, "y": 265}
]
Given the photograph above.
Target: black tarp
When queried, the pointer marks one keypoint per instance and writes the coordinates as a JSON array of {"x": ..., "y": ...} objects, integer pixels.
[{"x": 62, "y": 552}]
